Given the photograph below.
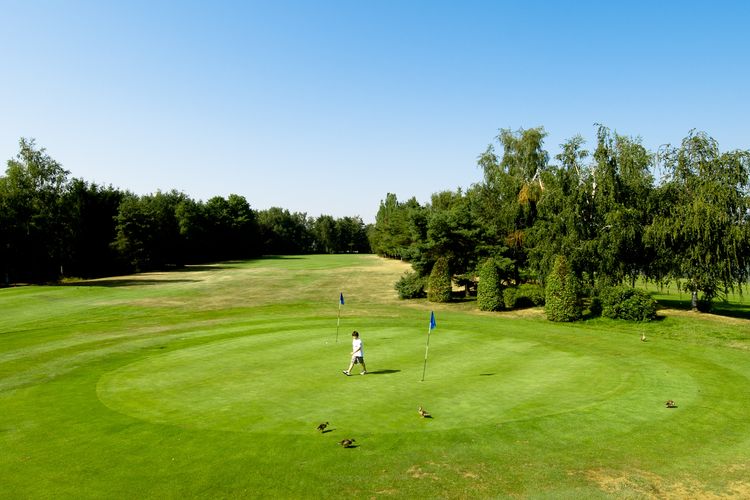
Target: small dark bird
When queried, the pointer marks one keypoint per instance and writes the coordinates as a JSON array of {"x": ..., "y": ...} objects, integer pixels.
[
  {"x": 323, "y": 426},
  {"x": 671, "y": 404},
  {"x": 423, "y": 413},
  {"x": 347, "y": 443}
]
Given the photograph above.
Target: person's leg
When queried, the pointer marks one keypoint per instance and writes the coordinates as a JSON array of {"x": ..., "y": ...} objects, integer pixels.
[
  {"x": 348, "y": 370},
  {"x": 364, "y": 369}
]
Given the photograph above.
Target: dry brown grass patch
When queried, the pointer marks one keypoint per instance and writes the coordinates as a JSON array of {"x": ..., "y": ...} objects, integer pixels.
[{"x": 649, "y": 485}]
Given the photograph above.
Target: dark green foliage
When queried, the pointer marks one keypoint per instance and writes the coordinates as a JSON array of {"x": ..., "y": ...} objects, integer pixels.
[
  {"x": 631, "y": 304},
  {"x": 562, "y": 302},
  {"x": 410, "y": 286},
  {"x": 397, "y": 227},
  {"x": 600, "y": 208},
  {"x": 509, "y": 297},
  {"x": 700, "y": 226},
  {"x": 351, "y": 236},
  {"x": 524, "y": 295},
  {"x": 452, "y": 233},
  {"x": 34, "y": 229},
  {"x": 489, "y": 288},
  {"x": 92, "y": 210},
  {"x": 533, "y": 293},
  {"x": 283, "y": 232},
  {"x": 148, "y": 232},
  {"x": 507, "y": 203},
  {"x": 346, "y": 235},
  {"x": 595, "y": 307},
  {"x": 440, "y": 286},
  {"x": 51, "y": 227}
]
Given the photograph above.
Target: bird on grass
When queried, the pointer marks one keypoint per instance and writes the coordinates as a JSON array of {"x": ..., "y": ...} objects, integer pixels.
[
  {"x": 423, "y": 413},
  {"x": 671, "y": 404},
  {"x": 322, "y": 426},
  {"x": 347, "y": 443}
]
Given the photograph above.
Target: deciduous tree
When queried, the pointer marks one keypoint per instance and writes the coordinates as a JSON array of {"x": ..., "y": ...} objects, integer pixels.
[{"x": 701, "y": 227}]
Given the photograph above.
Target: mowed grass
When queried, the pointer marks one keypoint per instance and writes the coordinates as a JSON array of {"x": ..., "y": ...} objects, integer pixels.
[{"x": 209, "y": 383}]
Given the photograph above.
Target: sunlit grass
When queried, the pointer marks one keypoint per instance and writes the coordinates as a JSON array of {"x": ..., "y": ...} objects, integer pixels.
[{"x": 209, "y": 382}]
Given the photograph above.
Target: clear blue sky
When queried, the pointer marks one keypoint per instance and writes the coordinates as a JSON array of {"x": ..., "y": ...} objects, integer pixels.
[{"x": 323, "y": 107}]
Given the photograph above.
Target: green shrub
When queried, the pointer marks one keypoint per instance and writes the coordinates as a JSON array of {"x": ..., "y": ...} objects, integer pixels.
[
  {"x": 595, "y": 308},
  {"x": 440, "y": 286},
  {"x": 530, "y": 295},
  {"x": 489, "y": 288},
  {"x": 509, "y": 297},
  {"x": 631, "y": 304},
  {"x": 410, "y": 286},
  {"x": 524, "y": 295},
  {"x": 561, "y": 300}
]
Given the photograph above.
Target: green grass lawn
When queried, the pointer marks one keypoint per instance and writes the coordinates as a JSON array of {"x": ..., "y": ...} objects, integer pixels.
[{"x": 209, "y": 382}]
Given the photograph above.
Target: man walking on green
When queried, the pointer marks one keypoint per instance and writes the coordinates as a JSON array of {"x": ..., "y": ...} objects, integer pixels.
[{"x": 358, "y": 356}]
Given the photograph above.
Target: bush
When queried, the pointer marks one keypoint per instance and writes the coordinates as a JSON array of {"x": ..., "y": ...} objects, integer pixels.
[
  {"x": 410, "y": 286},
  {"x": 510, "y": 295},
  {"x": 631, "y": 304},
  {"x": 440, "y": 286},
  {"x": 522, "y": 296},
  {"x": 489, "y": 289},
  {"x": 530, "y": 295},
  {"x": 561, "y": 300},
  {"x": 595, "y": 308}
]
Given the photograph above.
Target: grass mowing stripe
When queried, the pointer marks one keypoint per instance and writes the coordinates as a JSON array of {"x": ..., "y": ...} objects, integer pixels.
[
  {"x": 48, "y": 362},
  {"x": 203, "y": 384}
]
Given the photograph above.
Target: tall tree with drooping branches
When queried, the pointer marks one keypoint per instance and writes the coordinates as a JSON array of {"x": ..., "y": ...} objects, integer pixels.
[
  {"x": 701, "y": 228},
  {"x": 512, "y": 189}
]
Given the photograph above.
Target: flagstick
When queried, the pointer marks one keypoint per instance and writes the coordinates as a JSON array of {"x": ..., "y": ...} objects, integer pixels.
[
  {"x": 338, "y": 319},
  {"x": 425, "y": 351}
]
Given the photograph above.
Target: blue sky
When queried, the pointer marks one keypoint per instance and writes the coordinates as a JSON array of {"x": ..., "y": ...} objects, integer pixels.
[{"x": 323, "y": 107}]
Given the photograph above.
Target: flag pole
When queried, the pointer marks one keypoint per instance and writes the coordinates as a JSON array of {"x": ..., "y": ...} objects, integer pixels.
[
  {"x": 427, "y": 348},
  {"x": 338, "y": 318}
]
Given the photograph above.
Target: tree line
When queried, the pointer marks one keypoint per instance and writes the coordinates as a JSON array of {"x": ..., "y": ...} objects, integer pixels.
[
  {"x": 54, "y": 226},
  {"x": 615, "y": 214}
]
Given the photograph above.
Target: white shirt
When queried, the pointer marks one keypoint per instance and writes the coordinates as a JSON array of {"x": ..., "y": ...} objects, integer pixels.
[{"x": 357, "y": 347}]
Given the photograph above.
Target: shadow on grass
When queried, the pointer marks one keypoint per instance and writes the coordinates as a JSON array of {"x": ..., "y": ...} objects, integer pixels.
[
  {"x": 103, "y": 281},
  {"x": 192, "y": 268},
  {"x": 382, "y": 372},
  {"x": 732, "y": 311},
  {"x": 740, "y": 311},
  {"x": 125, "y": 282},
  {"x": 135, "y": 280},
  {"x": 276, "y": 257}
]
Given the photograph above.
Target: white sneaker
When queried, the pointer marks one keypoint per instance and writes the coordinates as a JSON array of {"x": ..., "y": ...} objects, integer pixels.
[
  {"x": 364, "y": 372},
  {"x": 345, "y": 373}
]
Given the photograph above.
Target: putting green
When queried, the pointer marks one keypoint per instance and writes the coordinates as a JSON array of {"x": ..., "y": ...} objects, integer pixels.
[{"x": 262, "y": 383}]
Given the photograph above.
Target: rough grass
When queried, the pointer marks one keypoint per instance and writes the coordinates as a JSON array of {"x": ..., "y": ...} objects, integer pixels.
[{"x": 209, "y": 383}]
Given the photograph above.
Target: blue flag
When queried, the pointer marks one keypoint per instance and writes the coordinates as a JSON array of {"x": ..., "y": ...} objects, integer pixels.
[
  {"x": 341, "y": 298},
  {"x": 433, "y": 325}
]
